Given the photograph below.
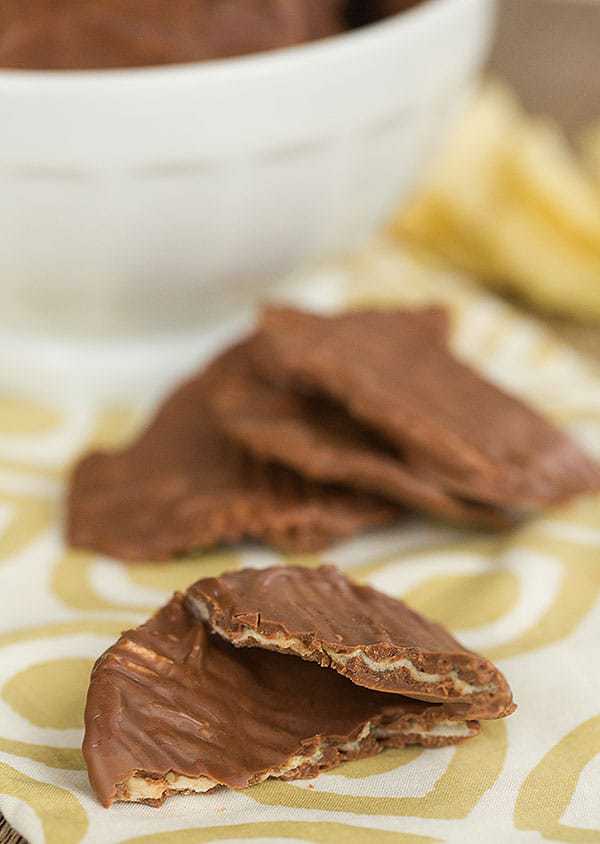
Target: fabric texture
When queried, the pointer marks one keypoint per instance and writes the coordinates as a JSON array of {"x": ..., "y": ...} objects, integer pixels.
[{"x": 529, "y": 599}]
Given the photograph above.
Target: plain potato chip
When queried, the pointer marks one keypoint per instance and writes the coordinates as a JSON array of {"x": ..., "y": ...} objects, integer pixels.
[
  {"x": 510, "y": 203},
  {"x": 546, "y": 269},
  {"x": 543, "y": 170}
]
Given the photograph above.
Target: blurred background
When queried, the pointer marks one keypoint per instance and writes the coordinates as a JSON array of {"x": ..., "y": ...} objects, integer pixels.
[
  {"x": 530, "y": 225},
  {"x": 548, "y": 51}
]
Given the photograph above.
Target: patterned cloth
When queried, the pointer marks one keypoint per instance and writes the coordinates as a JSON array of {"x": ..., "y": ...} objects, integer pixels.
[{"x": 528, "y": 599}]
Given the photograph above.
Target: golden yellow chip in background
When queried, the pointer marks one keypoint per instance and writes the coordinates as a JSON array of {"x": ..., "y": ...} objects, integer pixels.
[{"x": 509, "y": 202}]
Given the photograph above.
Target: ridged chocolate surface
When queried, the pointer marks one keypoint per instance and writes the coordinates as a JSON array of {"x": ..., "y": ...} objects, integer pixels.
[
  {"x": 454, "y": 427},
  {"x": 323, "y": 616},
  {"x": 169, "y": 698},
  {"x": 184, "y": 486},
  {"x": 320, "y": 440}
]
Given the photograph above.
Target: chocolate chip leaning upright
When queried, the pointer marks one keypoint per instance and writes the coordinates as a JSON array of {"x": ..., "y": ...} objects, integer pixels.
[
  {"x": 184, "y": 486},
  {"x": 374, "y": 640},
  {"x": 171, "y": 709},
  {"x": 452, "y": 426},
  {"x": 320, "y": 440}
]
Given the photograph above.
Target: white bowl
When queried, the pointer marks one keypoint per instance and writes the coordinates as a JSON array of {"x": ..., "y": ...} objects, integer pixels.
[{"x": 146, "y": 201}]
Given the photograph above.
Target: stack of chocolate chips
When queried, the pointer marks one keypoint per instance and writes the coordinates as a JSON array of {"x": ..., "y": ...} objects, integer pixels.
[
  {"x": 196, "y": 697},
  {"x": 315, "y": 428}
]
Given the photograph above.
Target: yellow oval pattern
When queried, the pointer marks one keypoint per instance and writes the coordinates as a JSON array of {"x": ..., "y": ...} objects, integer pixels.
[
  {"x": 549, "y": 788},
  {"x": 62, "y": 816},
  {"x": 31, "y": 517},
  {"x": 321, "y": 832},
  {"x": 71, "y": 583},
  {"x": 577, "y": 595},
  {"x": 474, "y": 768},
  {"x": 391, "y": 760},
  {"x": 113, "y": 426},
  {"x": 20, "y": 417},
  {"x": 50, "y": 694},
  {"x": 68, "y": 758},
  {"x": 471, "y": 545},
  {"x": 465, "y": 601},
  {"x": 96, "y": 626},
  {"x": 178, "y": 575}
]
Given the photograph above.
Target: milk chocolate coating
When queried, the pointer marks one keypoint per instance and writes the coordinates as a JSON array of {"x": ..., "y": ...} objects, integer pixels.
[
  {"x": 183, "y": 486},
  {"x": 71, "y": 34},
  {"x": 374, "y": 640},
  {"x": 320, "y": 440},
  {"x": 451, "y": 425},
  {"x": 170, "y": 699}
]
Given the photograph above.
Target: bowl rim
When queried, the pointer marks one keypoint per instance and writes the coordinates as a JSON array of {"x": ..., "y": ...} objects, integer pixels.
[{"x": 229, "y": 69}]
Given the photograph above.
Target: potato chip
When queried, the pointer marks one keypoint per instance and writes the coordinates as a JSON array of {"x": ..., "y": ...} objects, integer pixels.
[
  {"x": 544, "y": 171},
  {"x": 510, "y": 203},
  {"x": 547, "y": 270}
]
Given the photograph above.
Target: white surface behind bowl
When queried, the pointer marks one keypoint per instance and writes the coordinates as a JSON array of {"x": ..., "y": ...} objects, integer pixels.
[{"x": 150, "y": 201}]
